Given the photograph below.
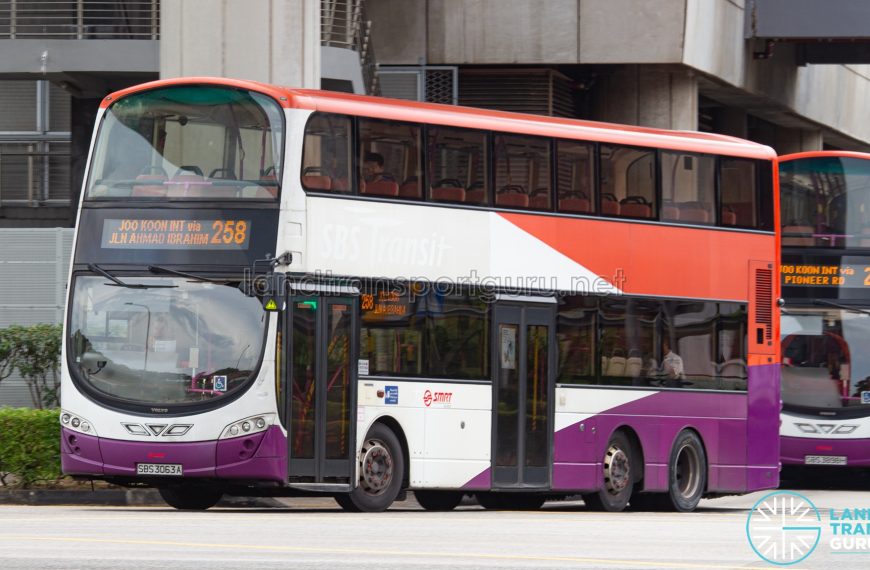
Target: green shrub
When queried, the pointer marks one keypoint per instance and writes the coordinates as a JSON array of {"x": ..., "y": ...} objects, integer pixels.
[
  {"x": 29, "y": 446},
  {"x": 35, "y": 352}
]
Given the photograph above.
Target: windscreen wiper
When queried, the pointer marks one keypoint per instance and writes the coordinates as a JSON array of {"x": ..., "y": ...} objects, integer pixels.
[
  {"x": 839, "y": 306},
  {"x": 118, "y": 283},
  {"x": 166, "y": 270}
]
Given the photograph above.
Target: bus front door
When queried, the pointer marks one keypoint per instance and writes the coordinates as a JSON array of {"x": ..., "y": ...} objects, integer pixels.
[
  {"x": 320, "y": 344},
  {"x": 522, "y": 417}
]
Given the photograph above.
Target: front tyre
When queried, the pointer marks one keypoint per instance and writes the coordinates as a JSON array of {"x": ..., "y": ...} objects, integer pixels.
[
  {"x": 619, "y": 476},
  {"x": 190, "y": 498},
  {"x": 687, "y": 472},
  {"x": 381, "y": 472}
]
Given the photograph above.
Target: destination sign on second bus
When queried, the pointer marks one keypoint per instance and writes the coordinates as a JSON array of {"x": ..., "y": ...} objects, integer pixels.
[
  {"x": 136, "y": 233},
  {"x": 825, "y": 275}
]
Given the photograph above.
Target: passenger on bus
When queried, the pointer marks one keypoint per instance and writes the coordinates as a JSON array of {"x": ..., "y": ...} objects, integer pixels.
[
  {"x": 373, "y": 168},
  {"x": 672, "y": 366}
]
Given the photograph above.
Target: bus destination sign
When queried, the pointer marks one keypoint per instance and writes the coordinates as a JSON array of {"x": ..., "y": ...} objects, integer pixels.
[
  {"x": 138, "y": 233},
  {"x": 847, "y": 275},
  {"x": 384, "y": 304}
]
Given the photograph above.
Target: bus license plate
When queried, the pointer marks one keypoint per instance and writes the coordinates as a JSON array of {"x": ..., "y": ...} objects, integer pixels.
[
  {"x": 824, "y": 460},
  {"x": 158, "y": 469}
]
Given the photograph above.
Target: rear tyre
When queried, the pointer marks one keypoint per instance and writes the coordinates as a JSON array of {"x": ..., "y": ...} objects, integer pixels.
[
  {"x": 381, "y": 472},
  {"x": 619, "y": 476},
  {"x": 687, "y": 472},
  {"x": 438, "y": 500},
  {"x": 190, "y": 498}
]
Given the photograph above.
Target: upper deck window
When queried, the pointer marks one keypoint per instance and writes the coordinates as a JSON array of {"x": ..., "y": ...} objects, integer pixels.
[
  {"x": 522, "y": 172},
  {"x": 628, "y": 182},
  {"x": 189, "y": 142},
  {"x": 390, "y": 159},
  {"x": 825, "y": 202},
  {"x": 688, "y": 188}
]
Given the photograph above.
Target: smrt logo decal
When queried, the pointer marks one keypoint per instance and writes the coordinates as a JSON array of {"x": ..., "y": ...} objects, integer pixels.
[{"x": 438, "y": 398}]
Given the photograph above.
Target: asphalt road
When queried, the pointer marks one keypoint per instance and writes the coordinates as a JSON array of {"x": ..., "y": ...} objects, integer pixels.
[{"x": 314, "y": 533}]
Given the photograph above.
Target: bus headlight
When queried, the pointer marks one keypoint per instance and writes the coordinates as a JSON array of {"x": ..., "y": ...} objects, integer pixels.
[
  {"x": 248, "y": 426},
  {"x": 77, "y": 423}
]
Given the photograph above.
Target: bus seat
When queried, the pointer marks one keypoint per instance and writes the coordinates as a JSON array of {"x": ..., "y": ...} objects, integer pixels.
[
  {"x": 186, "y": 184},
  {"x": 743, "y": 211},
  {"x": 798, "y": 240},
  {"x": 580, "y": 205},
  {"x": 636, "y": 210},
  {"x": 476, "y": 194},
  {"x": 540, "y": 199},
  {"x": 609, "y": 207},
  {"x": 316, "y": 182},
  {"x": 670, "y": 212},
  {"x": 410, "y": 188},
  {"x": 633, "y": 366},
  {"x": 447, "y": 194},
  {"x": 512, "y": 200},
  {"x": 729, "y": 218},
  {"x": 694, "y": 212},
  {"x": 380, "y": 188},
  {"x": 255, "y": 191},
  {"x": 340, "y": 184},
  {"x": 158, "y": 188},
  {"x": 615, "y": 366}
]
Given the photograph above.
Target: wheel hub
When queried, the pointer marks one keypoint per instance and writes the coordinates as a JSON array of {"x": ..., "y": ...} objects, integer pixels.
[
  {"x": 376, "y": 467},
  {"x": 617, "y": 470},
  {"x": 688, "y": 471}
]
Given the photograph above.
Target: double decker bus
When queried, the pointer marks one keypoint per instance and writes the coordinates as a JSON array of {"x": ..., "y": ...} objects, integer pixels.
[
  {"x": 284, "y": 292},
  {"x": 825, "y": 216}
]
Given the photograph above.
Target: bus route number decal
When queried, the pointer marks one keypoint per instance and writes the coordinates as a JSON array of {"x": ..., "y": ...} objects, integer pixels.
[{"x": 133, "y": 233}]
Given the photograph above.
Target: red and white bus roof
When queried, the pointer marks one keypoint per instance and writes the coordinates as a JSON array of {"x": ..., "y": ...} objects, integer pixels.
[{"x": 472, "y": 118}]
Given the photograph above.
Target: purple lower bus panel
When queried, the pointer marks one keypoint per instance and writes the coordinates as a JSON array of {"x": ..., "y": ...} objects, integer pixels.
[
  {"x": 855, "y": 451},
  {"x": 260, "y": 456},
  {"x": 740, "y": 432}
]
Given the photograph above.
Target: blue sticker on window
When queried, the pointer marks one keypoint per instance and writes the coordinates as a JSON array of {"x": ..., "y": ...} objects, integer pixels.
[
  {"x": 220, "y": 383},
  {"x": 391, "y": 394},
  {"x": 865, "y": 397}
]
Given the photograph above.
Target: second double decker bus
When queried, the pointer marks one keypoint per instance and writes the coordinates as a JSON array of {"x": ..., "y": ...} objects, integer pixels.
[
  {"x": 455, "y": 301},
  {"x": 826, "y": 318}
]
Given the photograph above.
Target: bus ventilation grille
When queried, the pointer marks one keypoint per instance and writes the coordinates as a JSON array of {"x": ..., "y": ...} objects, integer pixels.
[{"x": 764, "y": 300}]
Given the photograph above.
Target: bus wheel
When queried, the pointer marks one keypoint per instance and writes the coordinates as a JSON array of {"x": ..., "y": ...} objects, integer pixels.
[
  {"x": 381, "y": 471},
  {"x": 510, "y": 501},
  {"x": 619, "y": 475},
  {"x": 190, "y": 498},
  {"x": 687, "y": 472},
  {"x": 438, "y": 500}
]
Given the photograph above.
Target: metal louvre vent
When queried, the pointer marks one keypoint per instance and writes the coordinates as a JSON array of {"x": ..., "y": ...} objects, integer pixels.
[
  {"x": 538, "y": 91},
  {"x": 441, "y": 86},
  {"x": 764, "y": 300},
  {"x": 429, "y": 84}
]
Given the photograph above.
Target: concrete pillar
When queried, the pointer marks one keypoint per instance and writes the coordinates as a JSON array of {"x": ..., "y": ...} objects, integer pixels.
[
  {"x": 274, "y": 41},
  {"x": 797, "y": 140},
  {"x": 648, "y": 95}
]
